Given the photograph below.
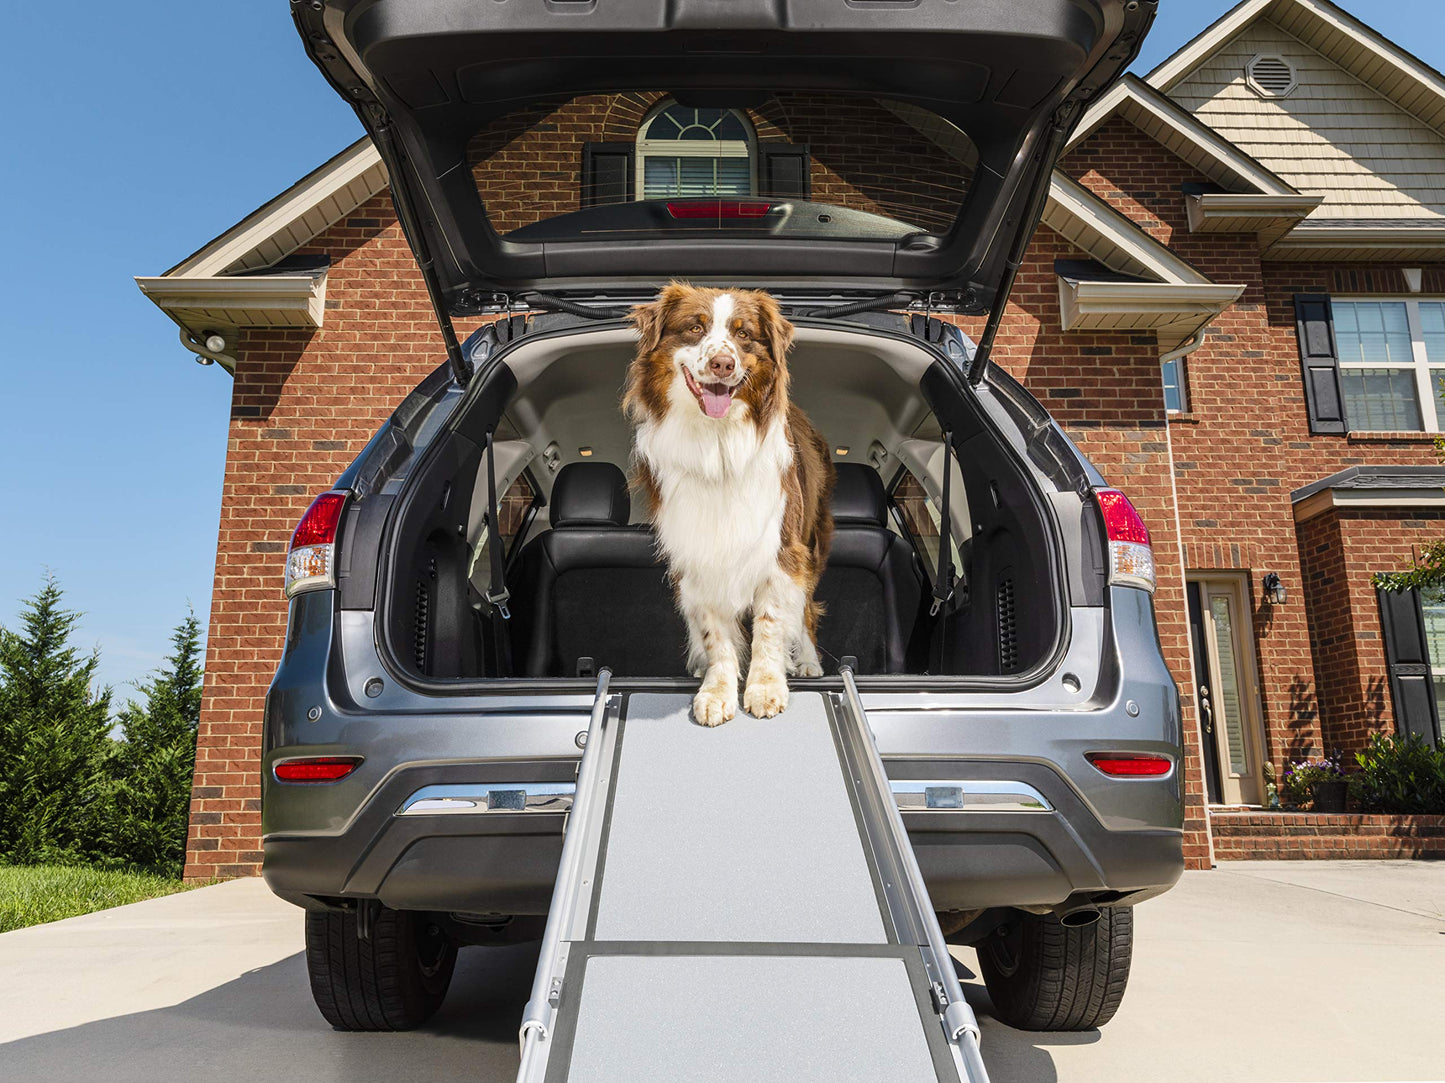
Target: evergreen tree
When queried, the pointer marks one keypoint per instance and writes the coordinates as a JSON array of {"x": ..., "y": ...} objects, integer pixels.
[
  {"x": 153, "y": 766},
  {"x": 54, "y": 738}
]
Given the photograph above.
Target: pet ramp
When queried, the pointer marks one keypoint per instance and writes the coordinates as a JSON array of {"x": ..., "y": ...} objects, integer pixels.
[{"x": 741, "y": 905}]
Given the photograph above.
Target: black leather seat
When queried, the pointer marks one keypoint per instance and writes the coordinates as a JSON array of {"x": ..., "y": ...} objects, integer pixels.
[
  {"x": 872, "y": 585},
  {"x": 592, "y": 586}
]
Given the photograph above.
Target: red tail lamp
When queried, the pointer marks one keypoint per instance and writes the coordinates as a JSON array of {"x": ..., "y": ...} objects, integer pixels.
[
  {"x": 316, "y": 768},
  {"x": 1130, "y": 764}
]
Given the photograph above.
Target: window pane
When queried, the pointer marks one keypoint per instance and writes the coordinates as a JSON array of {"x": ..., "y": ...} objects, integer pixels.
[
  {"x": 1173, "y": 393},
  {"x": 659, "y": 177},
  {"x": 1373, "y": 332},
  {"x": 1228, "y": 695},
  {"x": 1432, "y": 605},
  {"x": 1381, "y": 399},
  {"x": 1432, "y": 323}
]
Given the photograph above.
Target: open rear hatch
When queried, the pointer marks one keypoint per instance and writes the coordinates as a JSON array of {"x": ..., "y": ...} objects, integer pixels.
[{"x": 602, "y": 145}]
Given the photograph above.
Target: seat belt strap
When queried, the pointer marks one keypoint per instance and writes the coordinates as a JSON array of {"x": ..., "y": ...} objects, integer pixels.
[
  {"x": 497, "y": 594},
  {"x": 943, "y": 581}
]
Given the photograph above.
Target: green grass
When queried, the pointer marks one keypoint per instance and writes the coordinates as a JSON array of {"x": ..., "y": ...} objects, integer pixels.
[{"x": 33, "y": 895}]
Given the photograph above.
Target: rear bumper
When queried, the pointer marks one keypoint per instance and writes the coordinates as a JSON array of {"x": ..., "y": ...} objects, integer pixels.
[{"x": 505, "y": 862}]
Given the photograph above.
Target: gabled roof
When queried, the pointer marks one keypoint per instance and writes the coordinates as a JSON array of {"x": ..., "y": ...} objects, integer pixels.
[
  {"x": 278, "y": 227},
  {"x": 1335, "y": 34},
  {"x": 1181, "y": 133}
]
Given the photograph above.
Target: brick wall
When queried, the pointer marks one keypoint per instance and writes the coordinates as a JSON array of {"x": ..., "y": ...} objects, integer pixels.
[
  {"x": 1341, "y": 550},
  {"x": 527, "y": 164},
  {"x": 1261, "y": 836},
  {"x": 305, "y": 403},
  {"x": 1243, "y": 443},
  {"x": 303, "y": 406}
]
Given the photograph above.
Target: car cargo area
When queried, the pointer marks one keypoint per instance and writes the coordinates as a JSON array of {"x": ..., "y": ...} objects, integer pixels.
[{"x": 587, "y": 589}]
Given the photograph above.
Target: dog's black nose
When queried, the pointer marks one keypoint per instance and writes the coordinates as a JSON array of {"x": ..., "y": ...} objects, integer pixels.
[{"x": 721, "y": 365}]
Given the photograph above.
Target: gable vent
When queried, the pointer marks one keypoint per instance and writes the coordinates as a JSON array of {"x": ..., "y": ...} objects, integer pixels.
[{"x": 1270, "y": 76}]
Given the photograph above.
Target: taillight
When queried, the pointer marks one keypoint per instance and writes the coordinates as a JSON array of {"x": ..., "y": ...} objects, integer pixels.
[
  {"x": 316, "y": 768},
  {"x": 719, "y": 208},
  {"x": 1130, "y": 764},
  {"x": 311, "y": 561},
  {"x": 1131, "y": 558}
]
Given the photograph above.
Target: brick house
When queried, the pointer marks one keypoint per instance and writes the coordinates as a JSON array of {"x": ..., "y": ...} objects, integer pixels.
[{"x": 1235, "y": 305}]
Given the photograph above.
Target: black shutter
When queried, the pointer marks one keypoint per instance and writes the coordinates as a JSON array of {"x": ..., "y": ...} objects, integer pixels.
[
  {"x": 607, "y": 170},
  {"x": 1408, "y": 657},
  {"x": 783, "y": 170},
  {"x": 1320, "y": 362}
]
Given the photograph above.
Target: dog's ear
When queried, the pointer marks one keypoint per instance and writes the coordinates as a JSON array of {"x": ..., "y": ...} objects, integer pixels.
[
  {"x": 651, "y": 319},
  {"x": 776, "y": 329}
]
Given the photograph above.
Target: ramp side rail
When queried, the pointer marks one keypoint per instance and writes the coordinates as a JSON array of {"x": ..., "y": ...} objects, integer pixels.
[
  {"x": 907, "y": 896},
  {"x": 541, "y": 1009}
]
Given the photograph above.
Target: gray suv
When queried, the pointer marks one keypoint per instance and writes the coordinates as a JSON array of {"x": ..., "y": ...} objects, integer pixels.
[{"x": 454, "y": 597}]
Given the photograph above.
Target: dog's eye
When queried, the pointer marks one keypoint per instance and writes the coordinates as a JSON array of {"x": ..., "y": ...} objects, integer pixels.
[
  {"x": 742, "y": 334},
  {"x": 695, "y": 329}
]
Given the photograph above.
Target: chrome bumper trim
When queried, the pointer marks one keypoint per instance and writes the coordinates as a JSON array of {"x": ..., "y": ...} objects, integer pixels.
[
  {"x": 967, "y": 795},
  {"x": 481, "y": 798}
]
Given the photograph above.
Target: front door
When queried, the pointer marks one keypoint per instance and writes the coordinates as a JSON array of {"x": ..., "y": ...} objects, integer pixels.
[{"x": 1228, "y": 695}]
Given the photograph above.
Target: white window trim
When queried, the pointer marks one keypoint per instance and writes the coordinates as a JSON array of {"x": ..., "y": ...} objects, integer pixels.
[
  {"x": 1419, "y": 361},
  {"x": 691, "y": 148}
]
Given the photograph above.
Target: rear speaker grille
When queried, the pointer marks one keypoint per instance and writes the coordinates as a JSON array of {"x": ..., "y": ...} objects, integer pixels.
[
  {"x": 1008, "y": 639},
  {"x": 422, "y": 625}
]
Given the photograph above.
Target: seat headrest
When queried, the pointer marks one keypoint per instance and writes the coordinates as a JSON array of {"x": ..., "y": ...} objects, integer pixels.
[
  {"x": 859, "y": 497},
  {"x": 590, "y": 494}
]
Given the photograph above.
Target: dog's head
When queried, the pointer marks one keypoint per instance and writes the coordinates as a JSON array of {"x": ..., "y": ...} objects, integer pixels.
[{"x": 721, "y": 353}]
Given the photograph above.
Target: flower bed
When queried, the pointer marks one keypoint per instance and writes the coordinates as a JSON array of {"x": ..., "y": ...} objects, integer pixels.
[{"x": 1255, "y": 836}]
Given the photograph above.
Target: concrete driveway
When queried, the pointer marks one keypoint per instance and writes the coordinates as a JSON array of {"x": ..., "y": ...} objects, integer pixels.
[{"x": 1263, "y": 971}]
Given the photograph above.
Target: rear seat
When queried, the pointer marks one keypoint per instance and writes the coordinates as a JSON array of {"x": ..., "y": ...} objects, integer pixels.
[
  {"x": 592, "y": 586},
  {"x": 872, "y": 586}
]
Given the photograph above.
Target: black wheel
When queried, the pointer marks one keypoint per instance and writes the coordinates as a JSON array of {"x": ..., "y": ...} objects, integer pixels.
[
  {"x": 396, "y": 980},
  {"x": 1044, "y": 975}
]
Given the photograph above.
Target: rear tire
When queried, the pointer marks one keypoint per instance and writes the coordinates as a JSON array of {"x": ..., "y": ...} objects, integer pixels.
[
  {"x": 396, "y": 980},
  {"x": 1043, "y": 975}
]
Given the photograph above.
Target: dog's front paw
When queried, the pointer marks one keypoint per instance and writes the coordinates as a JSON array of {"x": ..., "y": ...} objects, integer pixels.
[
  {"x": 766, "y": 696},
  {"x": 712, "y": 707},
  {"x": 809, "y": 669}
]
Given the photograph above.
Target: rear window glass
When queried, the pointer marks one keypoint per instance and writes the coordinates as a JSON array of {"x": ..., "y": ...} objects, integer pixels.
[{"x": 793, "y": 165}]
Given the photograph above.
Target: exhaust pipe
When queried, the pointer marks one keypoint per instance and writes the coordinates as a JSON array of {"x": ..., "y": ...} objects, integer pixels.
[{"x": 1076, "y": 915}]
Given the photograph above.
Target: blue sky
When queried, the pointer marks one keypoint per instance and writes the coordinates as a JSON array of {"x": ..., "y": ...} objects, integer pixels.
[{"x": 134, "y": 133}]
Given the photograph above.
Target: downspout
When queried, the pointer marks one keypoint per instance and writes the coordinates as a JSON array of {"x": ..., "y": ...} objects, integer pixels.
[{"x": 1176, "y": 354}]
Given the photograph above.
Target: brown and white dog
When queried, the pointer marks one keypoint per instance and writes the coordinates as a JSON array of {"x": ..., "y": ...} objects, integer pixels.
[{"x": 737, "y": 483}]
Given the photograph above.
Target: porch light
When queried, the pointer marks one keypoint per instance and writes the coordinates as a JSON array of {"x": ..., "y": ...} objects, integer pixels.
[{"x": 1274, "y": 590}]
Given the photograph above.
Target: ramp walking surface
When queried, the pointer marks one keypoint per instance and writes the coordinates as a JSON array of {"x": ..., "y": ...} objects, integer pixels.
[{"x": 1259, "y": 971}]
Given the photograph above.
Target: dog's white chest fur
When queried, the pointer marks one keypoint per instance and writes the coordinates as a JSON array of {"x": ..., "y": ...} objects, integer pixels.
[{"x": 719, "y": 522}]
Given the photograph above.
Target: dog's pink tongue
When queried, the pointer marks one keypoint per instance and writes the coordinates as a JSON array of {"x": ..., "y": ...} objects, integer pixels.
[{"x": 716, "y": 399}]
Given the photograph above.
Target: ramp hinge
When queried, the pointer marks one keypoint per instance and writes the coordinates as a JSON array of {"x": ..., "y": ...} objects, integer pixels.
[
  {"x": 940, "y": 998},
  {"x": 554, "y": 994}
]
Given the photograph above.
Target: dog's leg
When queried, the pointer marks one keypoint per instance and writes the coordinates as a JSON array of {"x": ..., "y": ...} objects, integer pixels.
[
  {"x": 719, "y": 637},
  {"x": 777, "y": 625},
  {"x": 808, "y": 663}
]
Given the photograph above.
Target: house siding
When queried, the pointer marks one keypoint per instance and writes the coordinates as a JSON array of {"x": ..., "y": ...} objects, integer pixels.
[{"x": 1332, "y": 135}]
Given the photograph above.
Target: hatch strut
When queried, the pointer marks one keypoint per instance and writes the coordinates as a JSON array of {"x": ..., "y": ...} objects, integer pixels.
[
  {"x": 386, "y": 147},
  {"x": 1027, "y": 224}
]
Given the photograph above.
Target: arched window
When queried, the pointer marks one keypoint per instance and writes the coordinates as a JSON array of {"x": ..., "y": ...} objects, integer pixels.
[{"x": 682, "y": 151}]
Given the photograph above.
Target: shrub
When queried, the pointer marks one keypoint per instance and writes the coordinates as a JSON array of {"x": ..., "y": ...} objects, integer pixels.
[
  {"x": 1301, "y": 776},
  {"x": 1399, "y": 774}
]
